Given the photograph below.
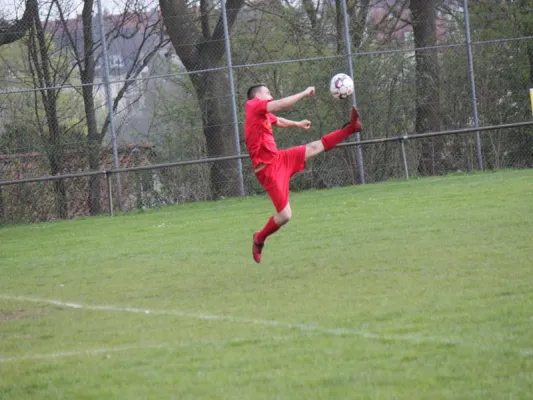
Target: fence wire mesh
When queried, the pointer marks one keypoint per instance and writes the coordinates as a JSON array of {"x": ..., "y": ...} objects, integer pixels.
[{"x": 168, "y": 69}]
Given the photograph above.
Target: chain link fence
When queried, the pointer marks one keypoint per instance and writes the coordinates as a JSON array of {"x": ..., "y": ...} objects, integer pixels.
[{"x": 160, "y": 112}]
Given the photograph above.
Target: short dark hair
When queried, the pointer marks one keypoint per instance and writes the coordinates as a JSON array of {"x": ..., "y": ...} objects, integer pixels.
[{"x": 253, "y": 90}]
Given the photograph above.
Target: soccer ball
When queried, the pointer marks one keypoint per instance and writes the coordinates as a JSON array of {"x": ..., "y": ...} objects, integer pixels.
[{"x": 341, "y": 86}]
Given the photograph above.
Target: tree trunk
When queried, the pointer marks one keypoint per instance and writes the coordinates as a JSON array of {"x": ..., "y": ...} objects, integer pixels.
[
  {"x": 41, "y": 61},
  {"x": 427, "y": 82},
  {"x": 93, "y": 147},
  {"x": 87, "y": 78},
  {"x": 2, "y": 212},
  {"x": 55, "y": 153},
  {"x": 212, "y": 90},
  {"x": 530, "y": 57},
  {"x": 359, "y": 22},
  {"x": 55, "y": 159},
  {"x": 339, "y": 25},
  {"x": 201, "y": 49}
]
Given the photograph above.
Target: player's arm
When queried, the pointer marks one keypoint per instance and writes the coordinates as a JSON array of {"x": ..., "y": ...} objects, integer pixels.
[
  {"x": 287, "y": 123},
  {"x": 287, "y": 102}
]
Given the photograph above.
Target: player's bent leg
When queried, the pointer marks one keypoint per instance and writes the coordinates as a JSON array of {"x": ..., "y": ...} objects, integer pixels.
[
  {"x": 283, "y": 216},
  {"x": 277, "y": 186},
  {"x": 273, "y": 224}
]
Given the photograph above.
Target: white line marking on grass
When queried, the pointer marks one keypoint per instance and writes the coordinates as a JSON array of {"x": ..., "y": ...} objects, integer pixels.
[
  {"x": 526, "y": 352},
  {"x": 105, "y": 350},
  {"x": 304, "y": 327}
]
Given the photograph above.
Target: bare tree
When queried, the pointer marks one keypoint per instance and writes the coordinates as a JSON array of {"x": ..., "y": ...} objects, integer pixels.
[
  {"x": 46, "y": 75},
  {"x": 201, "y": 48},
  {"x": 357, "y": 13},
  {"x": 11, "y": 32},
  {"x": 145, "y": 25},
  {"x": 52, "y": 70}
]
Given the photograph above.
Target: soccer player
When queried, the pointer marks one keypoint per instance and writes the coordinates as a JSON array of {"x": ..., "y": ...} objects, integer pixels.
[{"x": 274, "y": 168}]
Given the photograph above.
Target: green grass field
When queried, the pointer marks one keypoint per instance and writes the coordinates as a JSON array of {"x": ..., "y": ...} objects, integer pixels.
[{"x": 402, "y": 290}]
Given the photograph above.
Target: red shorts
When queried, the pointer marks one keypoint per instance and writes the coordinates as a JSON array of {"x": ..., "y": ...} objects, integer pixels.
[{"x": 275, "y": 177}]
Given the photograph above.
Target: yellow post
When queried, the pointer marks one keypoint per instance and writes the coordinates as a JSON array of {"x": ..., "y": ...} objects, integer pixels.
[{"x": 531, "y": 99}]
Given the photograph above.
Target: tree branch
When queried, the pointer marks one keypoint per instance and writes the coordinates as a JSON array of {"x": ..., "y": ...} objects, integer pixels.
[
  {"x": 134, "y": 71},
  {"x": 181, "y": 28},
  {"x": 232, "y": 9},
  {"x": 311, "y": 12},
  {"x": 204, "y": 19},
  {"x": 11, "y": 32}
]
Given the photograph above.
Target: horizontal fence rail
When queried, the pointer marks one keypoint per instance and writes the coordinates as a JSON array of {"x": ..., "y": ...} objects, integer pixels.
[
  {"x": 245, "y": 156},
  {"x": 400, "y": 138},
  {"x": 86, "y": 122}
]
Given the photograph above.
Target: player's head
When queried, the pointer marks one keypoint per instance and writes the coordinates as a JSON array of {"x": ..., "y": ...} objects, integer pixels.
[{"x": 260, "y": 91}]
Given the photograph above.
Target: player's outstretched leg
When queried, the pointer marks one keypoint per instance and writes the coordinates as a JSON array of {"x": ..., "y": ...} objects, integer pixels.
[
  {"x": 354, "y": 120},
  {"x": 332, "y": 139}
]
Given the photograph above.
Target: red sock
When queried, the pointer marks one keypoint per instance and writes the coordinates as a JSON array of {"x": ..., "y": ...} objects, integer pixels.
[
  {"x": 267, "y": 230},
  {"x": 332, "y": 139}
]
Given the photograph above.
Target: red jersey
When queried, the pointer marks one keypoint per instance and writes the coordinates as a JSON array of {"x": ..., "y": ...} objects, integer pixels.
[{"x": 258, "y": 133}]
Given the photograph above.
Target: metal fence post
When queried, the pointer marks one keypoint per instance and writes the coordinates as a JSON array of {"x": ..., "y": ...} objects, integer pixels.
[
  {"x": 232, "y": 93},
  {"x": 1, "y": 206},
  {"x": 109, "y": 192},
  {"x": 348, "y": 50},
  {"x": 472, "y": 83},
  {"x": 403, "y": 139},
  {"x": 109, "y": 101}
]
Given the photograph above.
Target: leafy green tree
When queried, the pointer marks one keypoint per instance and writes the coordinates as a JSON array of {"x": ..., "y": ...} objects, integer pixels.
[{"x": 503, "y": 77}]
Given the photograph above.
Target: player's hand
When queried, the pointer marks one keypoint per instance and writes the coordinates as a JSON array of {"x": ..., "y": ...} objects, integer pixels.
[
  {"x": 304, "y": 124},
  {"x": 310, "y": 91}
]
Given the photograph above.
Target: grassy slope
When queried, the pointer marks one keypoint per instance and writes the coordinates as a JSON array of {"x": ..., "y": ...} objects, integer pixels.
[{"x": 419, "y": 289}]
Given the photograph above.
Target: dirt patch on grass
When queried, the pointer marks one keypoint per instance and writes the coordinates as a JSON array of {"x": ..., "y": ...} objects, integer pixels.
[{"x": 12, "y": 315}]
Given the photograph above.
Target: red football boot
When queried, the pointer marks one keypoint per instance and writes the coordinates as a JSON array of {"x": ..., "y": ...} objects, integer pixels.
[{"x": 257, "y": 249}]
